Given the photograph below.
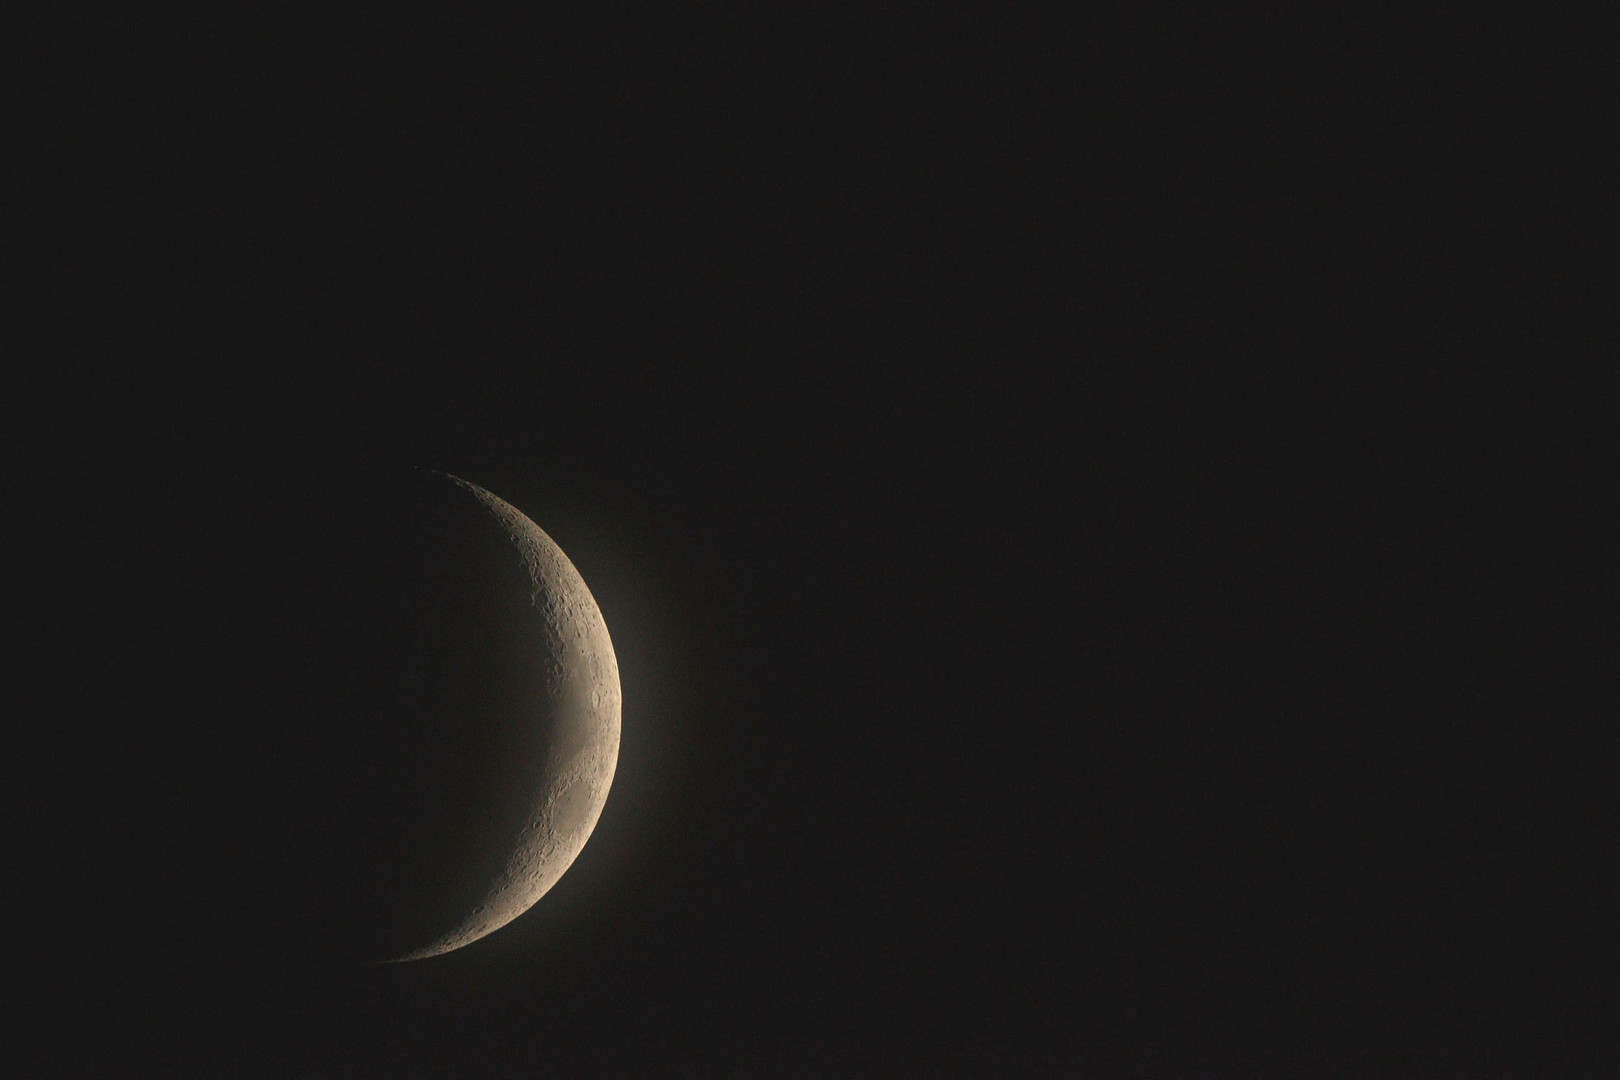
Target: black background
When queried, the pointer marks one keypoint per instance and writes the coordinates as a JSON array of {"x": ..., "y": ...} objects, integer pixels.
[{"x": 1099, "y": 521}]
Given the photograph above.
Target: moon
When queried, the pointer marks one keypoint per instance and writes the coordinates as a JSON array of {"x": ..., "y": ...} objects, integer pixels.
[{"x": 567, "y": 705}]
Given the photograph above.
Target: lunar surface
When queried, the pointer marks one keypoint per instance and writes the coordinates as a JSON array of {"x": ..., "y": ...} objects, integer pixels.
[{"x": 575, "y": 721}]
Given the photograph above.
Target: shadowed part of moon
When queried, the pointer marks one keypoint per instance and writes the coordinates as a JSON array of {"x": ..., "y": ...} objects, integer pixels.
[{"x": 403, "y": 720}]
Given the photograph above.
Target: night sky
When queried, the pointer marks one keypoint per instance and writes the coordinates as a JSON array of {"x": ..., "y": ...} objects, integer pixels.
[{"x": 1098, "y": 521}]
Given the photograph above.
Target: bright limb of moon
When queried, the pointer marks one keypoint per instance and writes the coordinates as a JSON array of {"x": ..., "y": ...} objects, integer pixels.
[{"x": 580, "y": 717}]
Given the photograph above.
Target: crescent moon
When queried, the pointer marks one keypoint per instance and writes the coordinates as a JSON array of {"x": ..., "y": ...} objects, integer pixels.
[{"x": 579, "y": 720}]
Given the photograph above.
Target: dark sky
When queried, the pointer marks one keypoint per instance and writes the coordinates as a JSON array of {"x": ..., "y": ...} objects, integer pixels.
[{"x": 1096, "y": 518}]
